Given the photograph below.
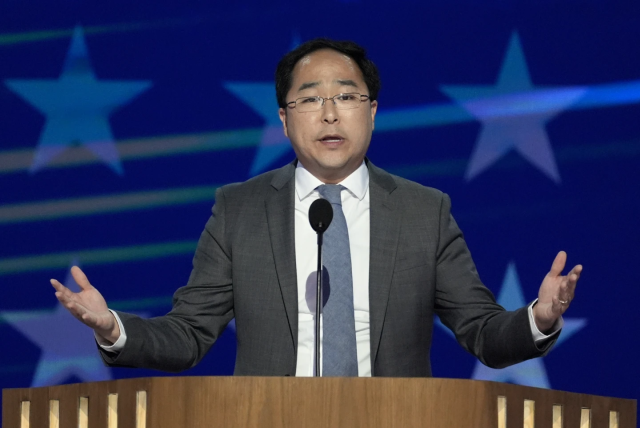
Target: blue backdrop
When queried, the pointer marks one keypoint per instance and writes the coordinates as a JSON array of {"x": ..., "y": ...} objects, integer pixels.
[{"x": 118, "y": 122}]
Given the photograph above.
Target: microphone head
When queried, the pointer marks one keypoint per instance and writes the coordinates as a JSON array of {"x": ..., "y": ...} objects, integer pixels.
[{"x": 320, "y": 215}]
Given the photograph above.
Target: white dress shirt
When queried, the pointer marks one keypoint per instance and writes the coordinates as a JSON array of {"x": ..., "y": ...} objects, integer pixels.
[{"x": 355, "y": 205}]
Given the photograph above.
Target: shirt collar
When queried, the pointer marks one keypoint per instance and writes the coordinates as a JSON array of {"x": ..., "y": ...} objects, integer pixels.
[{"x": 356, "y": 183}]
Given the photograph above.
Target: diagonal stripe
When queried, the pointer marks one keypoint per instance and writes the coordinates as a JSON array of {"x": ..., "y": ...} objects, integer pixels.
[
  {"x": 420, "y": 117},
  {"x": 36, "y": 36},
  {"x": 20, "y": 160},
  {"x": 50, "y": 210},
  {"x": 55, "y": 209},
  {"x": 564, "y": 155},
  {"x": 386, "y": 121},
  {"x": 391, "y": 120},
  {"x": 96, "y": 256},
  {"x": 149, "y": 303}
]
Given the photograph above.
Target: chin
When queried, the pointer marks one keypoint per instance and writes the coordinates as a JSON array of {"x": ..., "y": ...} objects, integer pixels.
[{"x": 333, "y": 164}]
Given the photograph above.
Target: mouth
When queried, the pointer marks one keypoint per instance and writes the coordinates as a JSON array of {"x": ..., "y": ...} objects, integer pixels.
[{"x": 332, "y": 139}]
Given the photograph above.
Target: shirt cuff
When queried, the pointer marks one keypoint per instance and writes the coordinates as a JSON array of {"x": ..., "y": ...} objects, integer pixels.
[
  {"x": 539, "y": 337},
  {"x": 119, "y": 344}
]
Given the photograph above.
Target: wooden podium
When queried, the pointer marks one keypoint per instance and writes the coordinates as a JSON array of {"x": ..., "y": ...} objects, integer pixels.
[{"x": 195, "y": 402}]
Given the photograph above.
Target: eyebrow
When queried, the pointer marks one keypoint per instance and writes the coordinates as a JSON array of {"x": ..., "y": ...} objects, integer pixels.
[
  {"x": 308, "y": 85},
  {"x": 347, "y": 82}
]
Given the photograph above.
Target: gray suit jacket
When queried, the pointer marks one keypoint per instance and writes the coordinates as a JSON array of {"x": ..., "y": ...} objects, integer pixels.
[{"x": 245, "y": 267}]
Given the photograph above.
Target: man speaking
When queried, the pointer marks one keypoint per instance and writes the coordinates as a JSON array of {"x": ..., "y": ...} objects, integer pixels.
[{"x": 394, "y": 257}]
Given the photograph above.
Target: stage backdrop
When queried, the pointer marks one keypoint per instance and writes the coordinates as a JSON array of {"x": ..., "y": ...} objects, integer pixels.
[{"x": 118, "y": 122}]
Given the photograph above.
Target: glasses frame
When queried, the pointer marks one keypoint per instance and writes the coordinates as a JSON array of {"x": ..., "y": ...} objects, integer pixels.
[{"x": 363, "y": 98}]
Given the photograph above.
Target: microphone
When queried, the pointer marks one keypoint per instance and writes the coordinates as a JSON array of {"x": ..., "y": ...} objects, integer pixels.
[{"x": 320, "y": 216}]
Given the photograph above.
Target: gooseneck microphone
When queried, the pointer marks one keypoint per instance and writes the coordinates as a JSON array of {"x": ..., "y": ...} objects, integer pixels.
[{"x": 320, "y": 216}]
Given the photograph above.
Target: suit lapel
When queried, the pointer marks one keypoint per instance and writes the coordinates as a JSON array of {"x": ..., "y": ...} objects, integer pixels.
[
  {"x": 385, "y": 222},
  {"x": 384, "y": 232},
  {"x": 280, "y": 218}
]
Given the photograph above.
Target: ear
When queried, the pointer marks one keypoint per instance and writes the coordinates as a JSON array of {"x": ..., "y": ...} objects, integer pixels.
[
  {"x": 283, "y": 118},
  {"x": 374, "y": 110}
]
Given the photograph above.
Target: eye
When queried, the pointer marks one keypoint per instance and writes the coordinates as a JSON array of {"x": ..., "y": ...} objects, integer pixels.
[
  {"x": 308, "y": 100},
  {"x": 347, "y": 97}
]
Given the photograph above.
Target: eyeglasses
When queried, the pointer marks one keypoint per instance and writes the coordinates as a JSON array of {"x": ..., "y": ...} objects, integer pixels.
[{"x": 341, "y": 101}]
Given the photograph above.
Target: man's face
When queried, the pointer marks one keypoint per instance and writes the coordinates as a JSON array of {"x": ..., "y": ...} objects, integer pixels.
[{"x": 330, "y": 143}]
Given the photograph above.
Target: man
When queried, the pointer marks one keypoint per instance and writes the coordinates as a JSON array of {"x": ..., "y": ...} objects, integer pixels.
[{"x": 256, "y": 257}]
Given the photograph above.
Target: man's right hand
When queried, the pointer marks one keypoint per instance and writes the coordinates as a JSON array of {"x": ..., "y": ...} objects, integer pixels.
[{"x": 88, "y": 306}]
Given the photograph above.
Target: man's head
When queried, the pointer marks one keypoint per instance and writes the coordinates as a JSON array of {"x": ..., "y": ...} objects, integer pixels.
[{"x": 332, "y": 140}]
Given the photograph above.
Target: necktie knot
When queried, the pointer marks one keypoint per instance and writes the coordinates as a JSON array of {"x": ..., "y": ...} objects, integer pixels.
[{"x": 331, "y": 192}]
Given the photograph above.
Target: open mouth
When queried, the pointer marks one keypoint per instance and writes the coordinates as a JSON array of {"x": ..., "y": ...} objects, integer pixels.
[{"x": 334, "y": 138}]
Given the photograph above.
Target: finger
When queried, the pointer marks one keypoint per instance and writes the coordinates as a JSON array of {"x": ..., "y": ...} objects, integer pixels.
[
  {"x": 62, "y": 293},
  {"x": 57, "y": 285},
  {"x": 558, "y": 264},
  {"x": 81, "y": 278},
  {"x": 62, "y": 297},
  {"x": 572, "y": 279},
  {"x": 577, "y": 271}
]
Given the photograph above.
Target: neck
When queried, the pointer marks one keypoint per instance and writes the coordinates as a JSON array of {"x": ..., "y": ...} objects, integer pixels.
[{"x": 332, "y": 176}]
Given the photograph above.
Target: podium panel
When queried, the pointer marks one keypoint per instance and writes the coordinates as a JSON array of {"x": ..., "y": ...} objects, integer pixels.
[{"x": 211, "y": 402}]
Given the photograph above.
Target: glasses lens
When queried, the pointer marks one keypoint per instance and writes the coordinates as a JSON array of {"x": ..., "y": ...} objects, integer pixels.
[
  {"x": 342, "y": 102},
  {"x": 308, "y": 104},
  {"x": 347, "y": 101}
]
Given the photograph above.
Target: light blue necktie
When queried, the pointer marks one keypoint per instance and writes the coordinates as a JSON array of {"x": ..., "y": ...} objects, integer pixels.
[{"x": 339, "y": 356}]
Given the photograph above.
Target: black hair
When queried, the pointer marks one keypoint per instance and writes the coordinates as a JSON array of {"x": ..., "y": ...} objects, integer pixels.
[{"x": 284, "y": 71}]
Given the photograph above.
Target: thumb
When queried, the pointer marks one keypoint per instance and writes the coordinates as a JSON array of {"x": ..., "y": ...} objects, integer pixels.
[
  {"x": 558, "y": 264},
  {"x": 80, "y": 278}
]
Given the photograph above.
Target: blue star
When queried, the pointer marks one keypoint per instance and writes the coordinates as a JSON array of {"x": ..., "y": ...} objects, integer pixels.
[
  {"x": 261, "y": 97},
  {"x": 77, "y": 107},
  {"x": 513, "y": 114},
  {"x": 530, "y": 372},
  {"x": 68, "y": 347}
]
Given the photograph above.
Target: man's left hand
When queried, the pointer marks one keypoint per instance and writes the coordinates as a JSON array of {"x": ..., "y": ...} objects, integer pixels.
[{"x": 556, "y": 293}]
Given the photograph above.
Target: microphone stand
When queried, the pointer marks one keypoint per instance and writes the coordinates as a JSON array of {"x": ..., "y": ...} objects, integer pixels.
[
  {"x": 320, "y": 216},
  {"x": 319, "y": 300}
]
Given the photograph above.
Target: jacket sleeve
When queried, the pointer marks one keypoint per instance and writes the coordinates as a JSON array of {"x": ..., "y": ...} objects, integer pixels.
[
  {"x": 498, "y": 338},
  {"x": 201, "y": 309}
]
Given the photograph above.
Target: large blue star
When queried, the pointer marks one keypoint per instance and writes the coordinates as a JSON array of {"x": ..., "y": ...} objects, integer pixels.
[
  {"x": 77, "y": 107},
  {"x": 530, "y": 372},
  {"x": 68, "y": 347},
  {"x": 513, "y": 114},
  {"x": 261, "y": 97}
]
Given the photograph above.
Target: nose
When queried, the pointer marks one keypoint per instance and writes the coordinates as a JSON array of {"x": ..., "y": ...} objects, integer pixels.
[{"x": 330, "y": 112}]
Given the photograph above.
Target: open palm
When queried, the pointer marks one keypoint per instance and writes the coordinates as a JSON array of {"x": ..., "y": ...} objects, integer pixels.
[
  {"x": 556, "y": 293},
  {"x": 88, "y": 305}
]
